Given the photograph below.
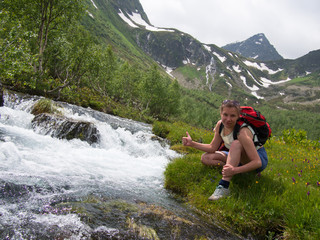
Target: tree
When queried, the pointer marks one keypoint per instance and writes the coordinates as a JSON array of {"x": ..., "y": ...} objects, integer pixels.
[
  {"x": 102, "y": 70},
  {"x": 154, "y": 92},
  {"x": 15, "y": 53},
  {"x": 46, "y": 18},
  {"x": 126, "y": 83},
  {"x": 70, "y": 59},
  {"x": 174, "y": 95}
]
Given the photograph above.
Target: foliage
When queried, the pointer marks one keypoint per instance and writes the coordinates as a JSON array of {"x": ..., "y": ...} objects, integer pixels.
[
  {"x": 44, "y": 105},
  {"x": 74, "y": 60},
  {"x": 282, "y": 202},
  {"x": 16, "y": 56}
]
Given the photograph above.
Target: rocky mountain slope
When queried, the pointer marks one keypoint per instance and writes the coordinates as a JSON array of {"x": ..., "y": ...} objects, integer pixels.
[
  {"x": 257, "y": 47},
  {"x": 125, "y": 25}
]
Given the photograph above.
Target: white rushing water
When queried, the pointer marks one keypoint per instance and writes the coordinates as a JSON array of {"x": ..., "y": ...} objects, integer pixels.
[{"x": 42, "y": 169}]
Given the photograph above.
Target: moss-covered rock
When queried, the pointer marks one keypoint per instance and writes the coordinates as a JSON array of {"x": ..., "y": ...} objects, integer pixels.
[
  {"x": 65, "y": 128},
  {"x": 44, "y": 105}
]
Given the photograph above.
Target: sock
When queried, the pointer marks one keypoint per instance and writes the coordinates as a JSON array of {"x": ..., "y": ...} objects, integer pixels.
[{"x": 224, "y": 183}]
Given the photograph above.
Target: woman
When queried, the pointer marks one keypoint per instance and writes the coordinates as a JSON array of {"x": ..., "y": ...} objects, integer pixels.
[{"x": 238, "y": 156}]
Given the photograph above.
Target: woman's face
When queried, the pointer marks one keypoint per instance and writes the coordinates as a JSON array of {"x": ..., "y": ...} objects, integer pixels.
[{"x": 229, "y": 116}]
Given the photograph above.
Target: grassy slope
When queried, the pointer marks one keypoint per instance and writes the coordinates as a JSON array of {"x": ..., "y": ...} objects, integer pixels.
[{"x": 282, "y": 202}]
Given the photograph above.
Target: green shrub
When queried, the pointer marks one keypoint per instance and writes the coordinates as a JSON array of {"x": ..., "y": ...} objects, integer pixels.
[
  {"x": 44, "y": 105},
  {"x": 160, "y": 129}
]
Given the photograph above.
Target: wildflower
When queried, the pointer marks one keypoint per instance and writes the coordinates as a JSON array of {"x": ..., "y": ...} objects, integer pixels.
[
  {"x": 257, "y": 181},
  {"x": 308, "y": 193},
  {"x": 293, "y": 179},
  {"x": 318, "y": 184},
  {"x": 307, "y": 184},
  {"x": 299, "y": 174}
]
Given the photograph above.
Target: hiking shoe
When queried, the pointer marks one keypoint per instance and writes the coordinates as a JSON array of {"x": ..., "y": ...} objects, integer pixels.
[{"x": 219, "y": 193}]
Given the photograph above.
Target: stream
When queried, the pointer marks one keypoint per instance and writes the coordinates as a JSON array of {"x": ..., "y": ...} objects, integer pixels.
[{"x": 53, "y": 188}]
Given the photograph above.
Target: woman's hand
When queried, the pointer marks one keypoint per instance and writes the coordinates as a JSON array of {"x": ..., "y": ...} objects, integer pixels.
[
  {"x": 187, "y": 141},
  {"x": 228, "y": 171}
]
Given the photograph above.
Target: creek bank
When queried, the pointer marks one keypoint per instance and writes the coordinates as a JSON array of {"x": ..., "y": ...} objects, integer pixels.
[{"x": 138, "y": 220}]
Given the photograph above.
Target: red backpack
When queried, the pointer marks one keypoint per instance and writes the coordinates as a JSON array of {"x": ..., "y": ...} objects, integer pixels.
[{"x": 254, "y": 119}]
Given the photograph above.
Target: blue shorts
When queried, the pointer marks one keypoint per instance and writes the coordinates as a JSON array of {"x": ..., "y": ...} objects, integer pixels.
[
  {"x": 264, "y": 159},
  {"x": 263, "y": 156}
]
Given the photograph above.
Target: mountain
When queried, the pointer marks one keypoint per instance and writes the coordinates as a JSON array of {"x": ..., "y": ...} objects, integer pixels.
[
  {"x": 256, "y": 47},
  {"x": 124, "y": 25}
]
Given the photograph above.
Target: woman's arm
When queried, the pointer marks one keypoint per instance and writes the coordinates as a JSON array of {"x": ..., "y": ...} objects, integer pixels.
[
  {"x": 249, "y": 156},
  {"x": 212, "y": 147}
]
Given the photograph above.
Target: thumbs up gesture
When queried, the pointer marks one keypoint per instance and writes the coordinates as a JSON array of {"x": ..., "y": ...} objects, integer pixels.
[{"x": 187, "y": 141}]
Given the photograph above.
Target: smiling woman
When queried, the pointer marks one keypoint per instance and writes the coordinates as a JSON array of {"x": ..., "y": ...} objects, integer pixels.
[{"x": 232, "y": 147}]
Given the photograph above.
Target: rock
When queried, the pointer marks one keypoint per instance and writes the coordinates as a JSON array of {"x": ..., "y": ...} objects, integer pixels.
[
  {"x": 65, "y": 128},
  {"x": 1, "y": 95}
]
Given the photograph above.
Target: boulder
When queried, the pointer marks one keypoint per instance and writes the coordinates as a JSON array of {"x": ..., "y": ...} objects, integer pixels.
[{"x": 65, "y": 128}]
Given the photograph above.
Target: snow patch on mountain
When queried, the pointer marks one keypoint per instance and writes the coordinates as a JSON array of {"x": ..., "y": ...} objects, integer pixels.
[
  {"x": 94, "y": 4},
  {"x": 127, "y": 20},
  {"x": 266, "y": 82},
  {"x": 207, "y": 47},
  {"x": 168, "y": 70},
  {"x": 135, "y": 20},
  {"x": 221, "y": 58},
  {"x": 237, "y": 68},
  {"x": 261, "y": 67},
  {"x": 253, "y": 89},
  {"x": 90, "y": 14}
]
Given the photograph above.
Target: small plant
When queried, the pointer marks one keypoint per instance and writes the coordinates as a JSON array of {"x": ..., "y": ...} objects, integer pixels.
[{"x": 44, "y": 105}]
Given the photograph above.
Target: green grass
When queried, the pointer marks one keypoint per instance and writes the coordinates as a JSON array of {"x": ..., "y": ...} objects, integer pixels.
[
  {"x": 311, "y": 80},
  {"x": 191, "y": 72},
  {"x": 281, "y": 203}
]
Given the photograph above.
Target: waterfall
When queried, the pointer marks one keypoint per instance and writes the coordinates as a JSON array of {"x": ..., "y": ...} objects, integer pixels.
[
  {"x": 210, "y": 71},
  {"x": 38, "y": 171}
]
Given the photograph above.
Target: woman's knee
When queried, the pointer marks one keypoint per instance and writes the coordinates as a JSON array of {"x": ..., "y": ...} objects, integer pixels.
[
  {"x": 213, "y": 159},
  {"x": 236, "y": 145},
  {"x": 204, "y": 158}
]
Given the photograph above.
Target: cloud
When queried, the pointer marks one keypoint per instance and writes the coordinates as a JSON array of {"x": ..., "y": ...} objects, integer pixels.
[{"x": 286, "y": 23}]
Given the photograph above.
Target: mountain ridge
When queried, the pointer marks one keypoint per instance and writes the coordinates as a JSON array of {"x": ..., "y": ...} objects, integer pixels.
[
  {"x": 195, "y": 64},
  {"x": 256, "y": 47}
]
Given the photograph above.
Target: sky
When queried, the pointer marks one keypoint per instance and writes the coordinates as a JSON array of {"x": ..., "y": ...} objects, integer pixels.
[{"x": 291, "y": 26}]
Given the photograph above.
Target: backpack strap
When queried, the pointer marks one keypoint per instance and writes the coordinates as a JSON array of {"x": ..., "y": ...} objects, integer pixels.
[
  {"x": 220, "y": 128},
  {"x": 235, "y": 130}
]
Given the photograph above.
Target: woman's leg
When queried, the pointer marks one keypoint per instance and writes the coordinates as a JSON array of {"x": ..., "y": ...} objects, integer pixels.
[
  {"x": 214, "y": 159},
  {"x": 235, "y": 156},
  {"x": 233, "y": 159}
]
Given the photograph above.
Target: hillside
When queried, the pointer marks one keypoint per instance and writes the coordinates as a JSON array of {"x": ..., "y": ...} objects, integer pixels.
[
  {"x": 231, "y": 73},
  {"x": 108, "y": 56}
]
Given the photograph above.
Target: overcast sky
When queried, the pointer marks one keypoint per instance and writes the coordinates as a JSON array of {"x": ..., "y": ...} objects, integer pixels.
[{"x": 291, "y": 26}]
